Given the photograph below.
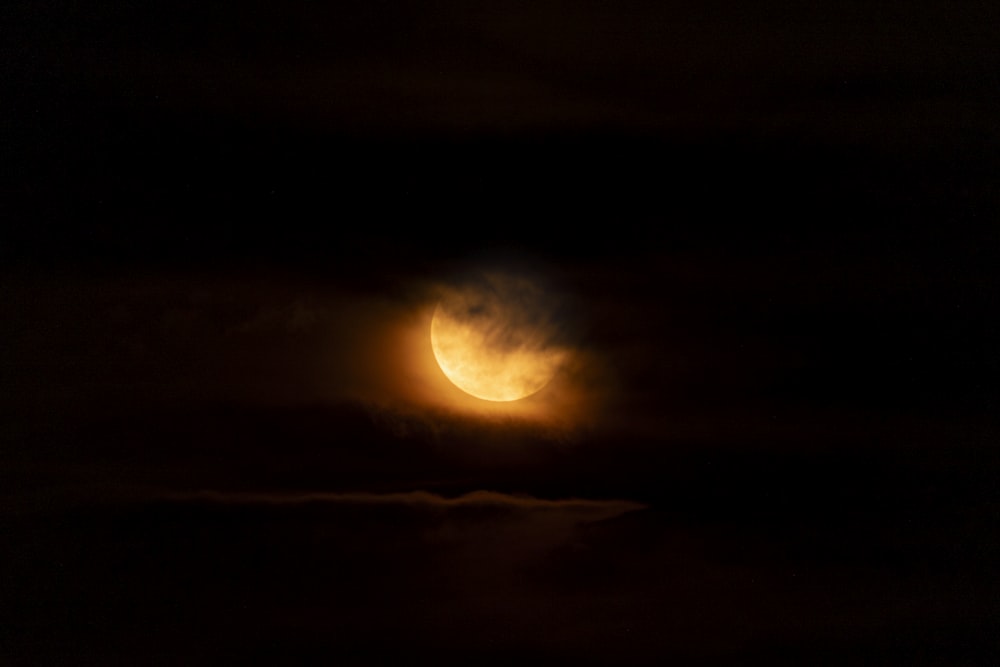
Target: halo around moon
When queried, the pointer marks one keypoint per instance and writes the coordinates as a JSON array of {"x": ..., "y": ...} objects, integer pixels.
[{"x": 496, "y": 339}]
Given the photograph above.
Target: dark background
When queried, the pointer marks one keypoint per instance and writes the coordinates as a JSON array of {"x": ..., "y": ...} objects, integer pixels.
[{"x": 780, "y": 220}]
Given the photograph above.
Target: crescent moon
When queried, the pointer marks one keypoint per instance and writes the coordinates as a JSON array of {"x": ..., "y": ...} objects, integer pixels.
[{"x": 494, "y": 341}]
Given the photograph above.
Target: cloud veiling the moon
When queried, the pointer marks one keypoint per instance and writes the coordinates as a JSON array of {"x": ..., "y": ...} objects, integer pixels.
[
  {"x": 498, "y": 336},
  {"x": 513, "y": 311}
]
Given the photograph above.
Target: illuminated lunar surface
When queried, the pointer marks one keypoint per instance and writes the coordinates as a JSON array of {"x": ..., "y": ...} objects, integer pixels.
[{"x": 496, "y": 339}]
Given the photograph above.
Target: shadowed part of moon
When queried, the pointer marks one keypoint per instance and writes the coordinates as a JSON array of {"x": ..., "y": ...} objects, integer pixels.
[{"x": 496, "y": 338}]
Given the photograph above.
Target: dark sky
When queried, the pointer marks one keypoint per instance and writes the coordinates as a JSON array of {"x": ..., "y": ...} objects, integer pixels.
[{"x": 773, "y": 226}]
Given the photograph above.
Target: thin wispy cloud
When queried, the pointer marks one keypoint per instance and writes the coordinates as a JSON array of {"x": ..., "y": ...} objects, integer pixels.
[{"x": 484, "y": 499}]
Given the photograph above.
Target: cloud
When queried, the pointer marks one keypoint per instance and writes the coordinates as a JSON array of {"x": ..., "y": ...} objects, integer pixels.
[{"x": 603, "y": 508}]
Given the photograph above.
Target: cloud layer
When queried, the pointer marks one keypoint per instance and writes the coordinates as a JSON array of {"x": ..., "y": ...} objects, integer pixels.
[{"x": 475, "y": 499}]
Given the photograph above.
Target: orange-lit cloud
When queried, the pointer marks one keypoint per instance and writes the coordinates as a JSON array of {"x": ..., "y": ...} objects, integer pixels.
[
  {"x": 280, "y": 340},
  {"x": 389, "y": 362}
]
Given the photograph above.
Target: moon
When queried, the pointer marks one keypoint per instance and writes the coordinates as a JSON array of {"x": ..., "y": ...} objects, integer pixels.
[{"x": 497, "y": 338}]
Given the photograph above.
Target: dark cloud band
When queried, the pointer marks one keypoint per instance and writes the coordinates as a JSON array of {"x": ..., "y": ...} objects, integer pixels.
[{"x": 413, "y": 498}]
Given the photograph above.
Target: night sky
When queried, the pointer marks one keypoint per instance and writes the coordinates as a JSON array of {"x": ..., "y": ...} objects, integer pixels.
[{"x": 769, "y": 235}]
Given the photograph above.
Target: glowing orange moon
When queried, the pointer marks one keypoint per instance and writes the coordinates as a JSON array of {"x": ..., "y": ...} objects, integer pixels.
[{"x": 494, "y": 342}]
